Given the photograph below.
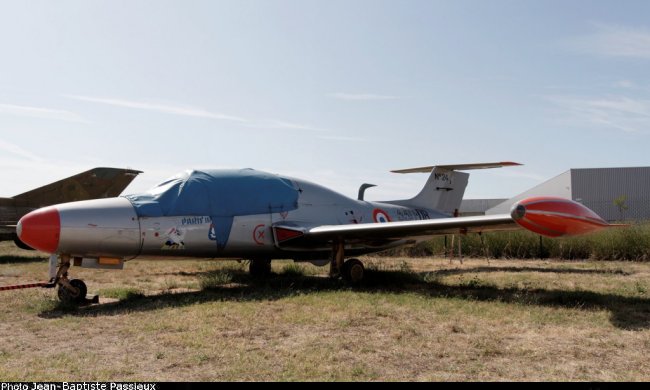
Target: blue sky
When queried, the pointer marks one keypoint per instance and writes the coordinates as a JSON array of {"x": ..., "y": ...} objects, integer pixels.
[{"x": 338, "y": 92}]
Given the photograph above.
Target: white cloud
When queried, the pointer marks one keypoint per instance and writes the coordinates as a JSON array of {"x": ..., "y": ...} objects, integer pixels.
[
  {"x": 363, "y": 96},
  {"x": 630, "y": 115},
  {"x": 8, "y": 147},
  {"x": 626, "y": 84},
  {"x": 40, "y": 112},
  {"x": 615, "y": 41},
  {"x": 279, "y": 124},
  {"x": 198, "y": 112},
  {"x": 164, "y": 108},
  {"x": 339, "y": 138}
]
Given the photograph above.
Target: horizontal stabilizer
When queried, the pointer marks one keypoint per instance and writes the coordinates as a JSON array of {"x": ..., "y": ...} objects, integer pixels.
[{"x": 458, "y": 167}]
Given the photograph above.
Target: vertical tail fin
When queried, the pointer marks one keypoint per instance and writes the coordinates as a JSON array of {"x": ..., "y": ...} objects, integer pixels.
[{"x": 445, "y": 187}]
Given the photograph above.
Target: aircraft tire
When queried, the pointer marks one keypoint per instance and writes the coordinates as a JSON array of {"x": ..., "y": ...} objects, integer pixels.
[
  {"x": 67, "y": 297},
  {"x": 260, "y": 267},
  {"x": 353, "y": 271}
]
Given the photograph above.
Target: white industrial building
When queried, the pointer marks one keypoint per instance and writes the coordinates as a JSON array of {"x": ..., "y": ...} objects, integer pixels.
[
  {"x": 613, "y": 193},
  {"x": 471, "y": 207}
]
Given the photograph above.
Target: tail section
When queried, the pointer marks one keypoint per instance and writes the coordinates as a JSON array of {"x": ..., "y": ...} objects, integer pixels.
[
  {"x": 445, "y": 187},
  {"x": 92, "y": 184}
]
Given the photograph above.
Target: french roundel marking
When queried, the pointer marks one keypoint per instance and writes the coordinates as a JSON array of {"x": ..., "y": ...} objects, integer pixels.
[
  {"x": 380, "y": 216},
  {"x": 258, "y": 234}
]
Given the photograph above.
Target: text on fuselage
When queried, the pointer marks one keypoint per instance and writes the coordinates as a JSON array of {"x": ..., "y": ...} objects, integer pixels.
[{"x": 411, "y": 214}]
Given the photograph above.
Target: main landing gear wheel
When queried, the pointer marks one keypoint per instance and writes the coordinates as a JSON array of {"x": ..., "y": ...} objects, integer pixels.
[
  {"x": 260, "y": 267},
  {"x": 353, "y": 271},
  {"x": 68, "y": 296}
]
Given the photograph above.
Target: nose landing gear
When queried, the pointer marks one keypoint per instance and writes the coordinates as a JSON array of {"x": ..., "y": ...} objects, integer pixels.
[
  {"x": 75, "y": 295},
  {"x": 70, "y": 291}
]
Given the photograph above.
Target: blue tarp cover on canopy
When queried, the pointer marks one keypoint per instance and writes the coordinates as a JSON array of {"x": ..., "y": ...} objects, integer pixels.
[{"x": 217, "y": 193}]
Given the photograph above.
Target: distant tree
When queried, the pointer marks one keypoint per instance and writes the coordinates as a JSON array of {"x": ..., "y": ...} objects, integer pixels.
[{"x": 621, "y": 205}]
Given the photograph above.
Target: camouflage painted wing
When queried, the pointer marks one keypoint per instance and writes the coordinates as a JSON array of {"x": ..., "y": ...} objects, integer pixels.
[{"x": 93, "y": 184}]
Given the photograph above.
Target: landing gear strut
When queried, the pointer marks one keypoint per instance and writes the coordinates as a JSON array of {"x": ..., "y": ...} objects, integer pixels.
[
  {"x": 70, "y": 291},
  {"x": 351, "y": 270},
  {"x": 260, "y": 267}
]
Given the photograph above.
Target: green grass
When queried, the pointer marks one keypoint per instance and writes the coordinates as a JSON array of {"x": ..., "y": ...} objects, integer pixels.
[
  {"x": 293, "y": 269},
  {"x": 121, "y": 293},
  {"x": 216, "y": 279}
]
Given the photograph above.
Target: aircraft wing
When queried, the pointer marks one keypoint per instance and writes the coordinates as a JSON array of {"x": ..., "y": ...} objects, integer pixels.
[
  {"x": 92, "y": 184},
  {"x": 377, "y": 233},
  {"x": 418, "y": 228},
  {"x": 548, "y": 216}
]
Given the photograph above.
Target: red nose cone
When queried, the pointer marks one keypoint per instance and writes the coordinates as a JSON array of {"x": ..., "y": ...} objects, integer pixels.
[{"x": 40, "y": 229}]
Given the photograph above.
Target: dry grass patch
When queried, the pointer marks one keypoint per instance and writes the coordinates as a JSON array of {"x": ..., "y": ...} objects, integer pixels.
[{"x": 412, "y": 320}]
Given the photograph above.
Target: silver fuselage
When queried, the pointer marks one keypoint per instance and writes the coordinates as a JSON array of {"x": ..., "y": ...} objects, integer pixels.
[{"x": 112, "y": 228}]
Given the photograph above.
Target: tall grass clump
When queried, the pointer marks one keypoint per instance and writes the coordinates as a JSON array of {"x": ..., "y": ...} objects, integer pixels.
[
  {"x": 629, "y": 243},
  {"x": 220, "y": 277},
  {"x": 293, "y": 269},
  {"x": 620, "y": 243},
  {"x": 121, "y": 293}
]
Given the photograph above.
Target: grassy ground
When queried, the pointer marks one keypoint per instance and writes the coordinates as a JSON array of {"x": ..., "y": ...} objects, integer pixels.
[{"x": 423, "y": 319}]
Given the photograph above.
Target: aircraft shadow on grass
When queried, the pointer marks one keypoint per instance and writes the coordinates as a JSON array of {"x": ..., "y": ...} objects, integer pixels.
[
  {"x": 8, "y": 259},
  {"x": 458, "y": 271},
  {"x": 631, "y": 313}
]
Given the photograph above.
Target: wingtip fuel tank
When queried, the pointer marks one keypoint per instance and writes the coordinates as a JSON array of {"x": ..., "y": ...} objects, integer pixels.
[{"x": 556, "y": 217}]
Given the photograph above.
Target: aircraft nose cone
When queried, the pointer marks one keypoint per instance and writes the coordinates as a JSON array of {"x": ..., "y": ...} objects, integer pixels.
[{"x": 41, "y": 229}]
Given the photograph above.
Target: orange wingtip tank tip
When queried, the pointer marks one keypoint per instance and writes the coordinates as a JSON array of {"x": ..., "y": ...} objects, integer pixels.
[{"x": 556, "y": 217}]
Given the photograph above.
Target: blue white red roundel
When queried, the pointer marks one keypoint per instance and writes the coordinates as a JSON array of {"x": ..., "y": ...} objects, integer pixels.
[{"x": 380, "y": 216}]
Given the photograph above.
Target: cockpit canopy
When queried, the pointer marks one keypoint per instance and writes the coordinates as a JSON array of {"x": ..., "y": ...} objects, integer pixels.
[{"x": 217, "y": 193}]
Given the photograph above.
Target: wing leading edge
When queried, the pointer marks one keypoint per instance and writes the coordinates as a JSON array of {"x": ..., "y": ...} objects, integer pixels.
[
  {"x": 393, "y": 230},
  {"x": 372, "y": 233}
]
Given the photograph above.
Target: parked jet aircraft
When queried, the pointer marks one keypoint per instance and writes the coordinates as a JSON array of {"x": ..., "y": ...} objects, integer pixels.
[
  {"x": 248, "y": 214},
  {"x": 93, "y": 184}
]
